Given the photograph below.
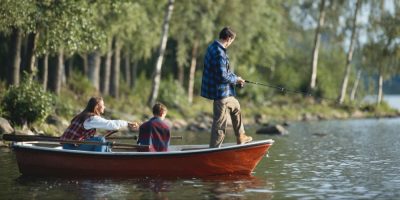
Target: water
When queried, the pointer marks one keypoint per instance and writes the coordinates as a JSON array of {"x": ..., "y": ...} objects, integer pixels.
[
  {"x": 392, "y": 100},
  {"x": 354, "y": 159}
]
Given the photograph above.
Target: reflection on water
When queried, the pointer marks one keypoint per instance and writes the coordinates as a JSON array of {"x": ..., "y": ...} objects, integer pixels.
[
  {"x": 355, "y": 159},
  {"x": 218, "y": 187}
]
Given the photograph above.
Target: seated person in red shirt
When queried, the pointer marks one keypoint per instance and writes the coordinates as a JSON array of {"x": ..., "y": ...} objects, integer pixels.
[{"x": 155, "y": 132}]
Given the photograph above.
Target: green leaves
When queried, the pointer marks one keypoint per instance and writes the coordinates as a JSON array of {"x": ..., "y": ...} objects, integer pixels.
[
  {"x": 68, "y": 25},
  {"x": 27, "y": 102}
]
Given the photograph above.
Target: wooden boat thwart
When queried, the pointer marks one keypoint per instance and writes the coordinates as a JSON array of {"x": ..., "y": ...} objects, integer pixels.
[{"x": 38, "y": 158}]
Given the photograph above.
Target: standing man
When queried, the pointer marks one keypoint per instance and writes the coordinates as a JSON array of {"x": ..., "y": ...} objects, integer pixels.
[{"x": 218, "y": 84}]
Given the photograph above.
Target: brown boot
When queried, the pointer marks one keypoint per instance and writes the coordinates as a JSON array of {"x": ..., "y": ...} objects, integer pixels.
[{"x": 243, "y": 138}]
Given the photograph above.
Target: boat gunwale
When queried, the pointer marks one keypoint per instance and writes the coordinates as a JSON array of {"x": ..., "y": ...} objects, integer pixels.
[{"x": 21, "y": 146}]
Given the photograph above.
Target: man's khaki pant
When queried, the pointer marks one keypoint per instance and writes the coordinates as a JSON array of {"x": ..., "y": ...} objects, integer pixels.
[{"x": 222, "y": 109}]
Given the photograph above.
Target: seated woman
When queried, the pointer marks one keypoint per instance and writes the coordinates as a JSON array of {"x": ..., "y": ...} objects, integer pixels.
[
  {"x": 83, "y": 127},
  {"x": 155, "y": 132}
]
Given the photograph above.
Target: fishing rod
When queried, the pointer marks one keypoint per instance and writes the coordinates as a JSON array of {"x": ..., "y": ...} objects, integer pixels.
[{"x": 285, "y": 90}]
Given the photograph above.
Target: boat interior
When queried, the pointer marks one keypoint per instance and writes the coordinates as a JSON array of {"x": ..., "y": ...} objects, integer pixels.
[{"x": 172, "y": 148}]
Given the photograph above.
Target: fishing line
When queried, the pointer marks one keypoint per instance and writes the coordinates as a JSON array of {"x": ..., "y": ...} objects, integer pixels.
[{"x": 285, "y": 90}]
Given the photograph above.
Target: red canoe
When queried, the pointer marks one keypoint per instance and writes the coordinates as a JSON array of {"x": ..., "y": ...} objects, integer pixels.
[{"x": 180, "y": 161}]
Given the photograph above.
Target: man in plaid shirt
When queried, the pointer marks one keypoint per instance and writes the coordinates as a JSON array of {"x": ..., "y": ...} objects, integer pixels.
[{"x": 218, "y": 84}]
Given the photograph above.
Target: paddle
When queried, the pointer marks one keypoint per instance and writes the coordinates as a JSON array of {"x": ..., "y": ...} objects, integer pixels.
[
  {"x": 135, "y": 137},
  {"x": 109, "y": 133},
  {"x": 26, "y": 138}
]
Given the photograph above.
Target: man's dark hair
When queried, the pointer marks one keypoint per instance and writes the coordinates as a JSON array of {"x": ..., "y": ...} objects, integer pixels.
[
  {"x": 226, "y": 33},
  {"x": 159, "y": 108}
]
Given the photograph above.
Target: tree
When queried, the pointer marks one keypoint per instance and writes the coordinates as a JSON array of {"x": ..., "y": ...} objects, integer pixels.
[
  {"x": 15, "y": 20},
  {"x": 193, "y": 28},
  {"x": 128, "y": 26},
  {"x": 349, "y": 55},
  {"x": 47, "y": 25},
  {"x": 54, "y": 84},
  {"x": 382, "y": 50},
  {"x": 317, "y": 41},
  {"x": 355, "y": 86},
  {"x": 163, "y": 43},
  {"x": 94, "y": 61}
]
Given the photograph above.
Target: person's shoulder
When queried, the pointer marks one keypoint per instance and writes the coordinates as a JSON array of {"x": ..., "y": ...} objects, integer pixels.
[
  {"x": 157, "y": 122},
  {"x": 146, "y": 123},
  {"x": 165, "y": 125},
  {"x": 151, "y": 121},
  {"x": 93, "y": 118}
]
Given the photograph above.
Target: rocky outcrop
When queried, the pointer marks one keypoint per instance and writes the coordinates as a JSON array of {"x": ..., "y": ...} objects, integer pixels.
[
  {"x": 202, "y": 122},
  {"x": 272, "y": 130},
  {"x": 5, "y": 127},
  {"x": 57, "y": 121},
  {"x": 179, "y": 124}
]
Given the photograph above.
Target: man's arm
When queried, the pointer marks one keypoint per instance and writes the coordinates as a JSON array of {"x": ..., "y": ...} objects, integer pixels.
[{"x": 223, "y": 74}]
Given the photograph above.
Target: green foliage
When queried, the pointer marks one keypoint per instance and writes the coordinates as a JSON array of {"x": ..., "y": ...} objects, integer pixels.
[
  {"x": 60, "y": 24},
  {"x": 132, "y": 23},
  {"x": 27, "y": 102},
  {"x": 66, "y": 106},
  {"x": 78, "y": 91},
  {"x": 80, "y": 85},
  {"x": 16, "y": 14},
  {"x": 172, "y": 94},
  {"x": 68, "y": 25}
]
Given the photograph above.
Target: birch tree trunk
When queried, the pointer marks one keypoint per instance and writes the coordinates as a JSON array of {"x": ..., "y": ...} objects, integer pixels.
[
  {"x": 355, "y": 86},
  {"x": 345, "y": 81},
  {"x": 16, "y": 42},
  {"x": 192, "y": 70},
  {"x": 380, "y": 87},
  {"x": 163, "y": 43},
  {"x": 105, "y": 83},
  {"x": 115, "y": 70},
  {"x": 94, "y": 62},
  {"x": 317, "y": 41}
]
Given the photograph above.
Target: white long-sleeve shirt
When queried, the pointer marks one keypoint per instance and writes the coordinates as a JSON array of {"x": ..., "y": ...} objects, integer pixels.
[{"x": 101, "y": 123}]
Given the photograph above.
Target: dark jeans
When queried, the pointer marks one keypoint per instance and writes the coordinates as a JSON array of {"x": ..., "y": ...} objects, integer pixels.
[{"x": 89, "y": 147}]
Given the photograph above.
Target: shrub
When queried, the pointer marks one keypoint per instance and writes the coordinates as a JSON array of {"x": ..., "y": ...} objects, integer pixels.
[
  {"x": 172, "y": 94},
  {"x": 64, "y": 107},
  {"x": 27, "y": 102},
  {"x": 80, "y": 85}
]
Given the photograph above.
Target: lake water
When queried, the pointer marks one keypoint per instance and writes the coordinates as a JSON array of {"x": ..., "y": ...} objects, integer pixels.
[
  {"x": 392, "y": 100},
  {"x": 352, "y": 159}
]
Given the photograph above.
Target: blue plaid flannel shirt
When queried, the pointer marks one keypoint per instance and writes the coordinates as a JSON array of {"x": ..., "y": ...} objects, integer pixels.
[{"x": 218, "y": 81}]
